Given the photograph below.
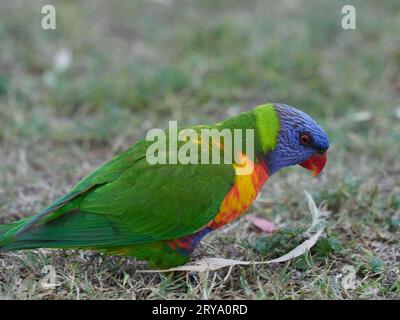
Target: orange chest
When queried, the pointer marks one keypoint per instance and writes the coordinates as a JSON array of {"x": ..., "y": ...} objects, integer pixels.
[{"x": 240, "y": 196}]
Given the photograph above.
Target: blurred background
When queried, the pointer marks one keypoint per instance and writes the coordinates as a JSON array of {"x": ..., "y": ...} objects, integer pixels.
[{"x": 71, "y": 98}]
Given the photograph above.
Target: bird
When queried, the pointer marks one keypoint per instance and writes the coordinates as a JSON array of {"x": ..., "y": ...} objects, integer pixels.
[{"x": 159, "y": 212}]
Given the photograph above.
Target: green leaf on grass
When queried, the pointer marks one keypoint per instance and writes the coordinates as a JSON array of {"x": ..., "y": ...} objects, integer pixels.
[
  {"x": 326, "y": 246},
  {"x": 283, "y": 240},
  {"x": 376, "y": 265}
]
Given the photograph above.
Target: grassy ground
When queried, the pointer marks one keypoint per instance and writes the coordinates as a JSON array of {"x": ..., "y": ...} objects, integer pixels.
[{"x": 137, "y": 64}]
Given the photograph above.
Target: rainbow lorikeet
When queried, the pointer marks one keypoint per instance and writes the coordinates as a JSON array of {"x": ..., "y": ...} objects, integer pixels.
[{"x": 160, "y": 212}]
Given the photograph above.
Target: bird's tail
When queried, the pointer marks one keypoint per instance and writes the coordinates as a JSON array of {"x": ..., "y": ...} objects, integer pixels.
[
  {"x": 8, "y": 231},
  {"x": 11, "y": 235}
]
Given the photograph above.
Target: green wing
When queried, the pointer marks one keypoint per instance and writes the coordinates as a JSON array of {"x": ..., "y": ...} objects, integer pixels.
[
  {"x": 107, "y": 173},
  {"x": 129, "y": 201}
]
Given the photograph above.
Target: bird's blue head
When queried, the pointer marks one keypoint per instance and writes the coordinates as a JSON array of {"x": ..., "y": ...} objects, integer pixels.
[{"x": 301, "y": 140}]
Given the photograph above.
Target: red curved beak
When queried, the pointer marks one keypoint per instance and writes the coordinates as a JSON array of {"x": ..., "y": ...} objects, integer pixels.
[{"x": 315, "y": 163}]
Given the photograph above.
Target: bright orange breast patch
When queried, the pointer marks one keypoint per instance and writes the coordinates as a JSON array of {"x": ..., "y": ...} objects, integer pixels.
[{"x": 241, "y": 195}]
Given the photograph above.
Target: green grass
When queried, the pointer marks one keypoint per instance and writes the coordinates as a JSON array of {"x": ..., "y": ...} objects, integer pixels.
[{"x": 137, "y": 64}]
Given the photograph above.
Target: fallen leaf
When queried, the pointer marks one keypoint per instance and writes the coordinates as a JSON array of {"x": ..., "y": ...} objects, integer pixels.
[
  {"x": 261, "y": 223},
  {"x": 298, "y": 251}
]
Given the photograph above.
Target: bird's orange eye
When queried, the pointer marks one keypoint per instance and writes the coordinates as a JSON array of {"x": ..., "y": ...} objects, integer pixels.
[{"x": 305, "y": 139}]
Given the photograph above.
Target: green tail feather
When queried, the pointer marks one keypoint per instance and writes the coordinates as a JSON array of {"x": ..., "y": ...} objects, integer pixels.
[
  {"x": 8, "y": 231},
  {"x": 73, "y": 230}
]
